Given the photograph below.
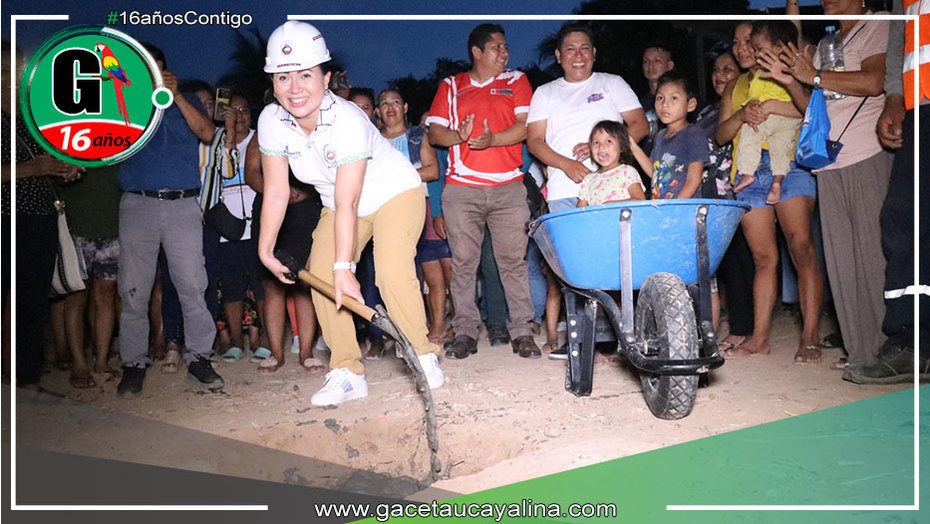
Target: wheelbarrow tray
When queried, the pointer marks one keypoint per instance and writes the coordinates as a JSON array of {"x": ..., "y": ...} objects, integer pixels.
[{"x": 582, "y": 245}]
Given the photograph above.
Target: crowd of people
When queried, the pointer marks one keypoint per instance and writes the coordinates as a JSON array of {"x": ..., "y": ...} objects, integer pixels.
[{"x": 189, "y": 246}]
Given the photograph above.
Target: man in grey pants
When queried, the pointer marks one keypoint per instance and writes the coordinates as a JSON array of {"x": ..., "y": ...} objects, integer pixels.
[{"x": 159, "y": 209}]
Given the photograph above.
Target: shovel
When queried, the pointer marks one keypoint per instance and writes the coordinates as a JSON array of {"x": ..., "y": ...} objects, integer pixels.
[{"x": 379, "y": 318}]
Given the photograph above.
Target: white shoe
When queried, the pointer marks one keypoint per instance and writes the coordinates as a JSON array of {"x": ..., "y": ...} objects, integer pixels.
[
  {"x": 295, "y": 345},
  {"x": 341, "y": 385},
  {"x": 434, "y": 375},
  {"x": 321, "y": 344}
]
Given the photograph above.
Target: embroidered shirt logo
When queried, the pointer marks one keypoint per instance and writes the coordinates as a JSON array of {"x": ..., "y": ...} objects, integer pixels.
[
  {"x": 595, "y": 97},
  {"x": 329, "y": 154},
  {"x": 505, "y": 92}
]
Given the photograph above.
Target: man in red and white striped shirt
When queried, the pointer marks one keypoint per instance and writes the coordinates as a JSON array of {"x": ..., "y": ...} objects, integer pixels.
[{"x": 480, "y": 115}]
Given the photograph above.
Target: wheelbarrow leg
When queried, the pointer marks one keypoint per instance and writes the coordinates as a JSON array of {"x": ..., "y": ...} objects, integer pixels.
[
  {"x": 581, "y": 337},
  {"x": 704, "y": 310}
]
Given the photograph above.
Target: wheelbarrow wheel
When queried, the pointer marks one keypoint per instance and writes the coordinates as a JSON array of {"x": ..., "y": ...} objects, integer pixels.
[{"x": 665, "y": 324}]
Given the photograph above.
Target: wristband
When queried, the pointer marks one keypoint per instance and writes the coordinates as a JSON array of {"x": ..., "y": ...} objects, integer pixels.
[{"x": 344, "y": 265}]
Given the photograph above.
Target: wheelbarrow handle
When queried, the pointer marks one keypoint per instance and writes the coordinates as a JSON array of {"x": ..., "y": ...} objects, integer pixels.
[{"x": 327, "y": 289}]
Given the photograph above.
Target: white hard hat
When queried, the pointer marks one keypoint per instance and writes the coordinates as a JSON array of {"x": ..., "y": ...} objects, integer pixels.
[{"x": 295, "y": 46}]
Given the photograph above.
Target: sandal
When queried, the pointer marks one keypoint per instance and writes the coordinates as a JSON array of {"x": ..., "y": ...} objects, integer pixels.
[
  {"x": 551, "y": 345},
  {"x": 261, "y": 354},
  {"x": 82, "y": 382},
  {"x": 313, "y": 365},
  {"x": 809, "y": 354},
  {"x": 233, "y": 354},
  {"x": 270, "y": 365},
  {"x": 739, "y": 351},
  {"x": 831, "y": 341},
  {"x": 727, "y": 345},
  {"x": 439, "y": 339},
  {"x": 108, "y": 372},
  {"x": 171, "y": 362},
  {"x": 841, "y": 364}
]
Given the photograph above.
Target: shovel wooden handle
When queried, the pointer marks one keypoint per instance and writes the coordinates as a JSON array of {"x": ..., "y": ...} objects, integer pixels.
[{"x": 327, "y": 289}]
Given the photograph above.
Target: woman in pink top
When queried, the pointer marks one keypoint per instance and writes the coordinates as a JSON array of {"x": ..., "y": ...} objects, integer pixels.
[{"x": 852, "y": 188}]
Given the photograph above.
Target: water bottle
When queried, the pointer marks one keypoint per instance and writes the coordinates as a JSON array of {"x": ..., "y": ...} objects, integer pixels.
[{"x": 831, "y": 58}]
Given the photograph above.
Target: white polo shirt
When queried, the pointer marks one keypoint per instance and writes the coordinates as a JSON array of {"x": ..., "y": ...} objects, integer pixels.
[
  {"x": 570, "y": 110},
  {"x": 343, "y": 135}
]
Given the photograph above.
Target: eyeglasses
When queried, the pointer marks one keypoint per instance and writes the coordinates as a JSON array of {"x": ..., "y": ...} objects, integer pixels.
[{"x": 240, "y": 110}]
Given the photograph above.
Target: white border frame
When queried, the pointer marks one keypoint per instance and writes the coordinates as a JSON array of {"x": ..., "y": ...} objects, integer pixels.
[
  {"x": 914, "y": 507},
  {"x": 58, "y": 507}
]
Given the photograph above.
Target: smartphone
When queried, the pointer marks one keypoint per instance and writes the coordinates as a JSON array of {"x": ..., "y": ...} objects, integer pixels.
[{"x": 221, "y": 103}]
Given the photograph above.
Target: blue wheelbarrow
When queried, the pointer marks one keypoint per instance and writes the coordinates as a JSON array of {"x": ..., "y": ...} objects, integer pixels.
[{"x": 665, "y": 249}]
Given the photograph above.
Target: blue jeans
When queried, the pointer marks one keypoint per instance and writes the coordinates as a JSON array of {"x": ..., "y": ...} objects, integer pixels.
[
  {"x": 538, "y": 286},
  {"x": 798, "y": 182},
  {"x": 561, "y": 204},
  {"x": 370, "y": 291},
  {"x": 491, "y": 301}
]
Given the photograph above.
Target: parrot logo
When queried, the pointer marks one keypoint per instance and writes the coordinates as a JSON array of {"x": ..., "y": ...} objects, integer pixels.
[{"x": 116, "y": 73}]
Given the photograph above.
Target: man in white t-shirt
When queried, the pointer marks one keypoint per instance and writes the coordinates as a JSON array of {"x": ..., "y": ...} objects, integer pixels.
[{"x": 563, "y": 112}]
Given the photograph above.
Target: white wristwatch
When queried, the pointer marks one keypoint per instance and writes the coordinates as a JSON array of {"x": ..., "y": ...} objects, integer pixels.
[
  {"x": 817, "y": 79},
  {"x": 344, "y": 265}
]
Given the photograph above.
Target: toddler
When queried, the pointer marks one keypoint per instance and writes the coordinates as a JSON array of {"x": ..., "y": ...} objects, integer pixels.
[{"x": 780, "y": 129}]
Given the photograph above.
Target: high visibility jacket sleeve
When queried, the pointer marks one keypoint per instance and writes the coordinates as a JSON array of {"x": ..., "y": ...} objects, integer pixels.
[{"x": 917, "y": 58}]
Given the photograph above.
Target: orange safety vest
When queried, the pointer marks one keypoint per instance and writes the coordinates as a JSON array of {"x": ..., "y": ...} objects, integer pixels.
[{"x": 919, "y": 56}]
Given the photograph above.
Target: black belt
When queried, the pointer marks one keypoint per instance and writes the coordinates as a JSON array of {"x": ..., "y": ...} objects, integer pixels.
[{"x": 168, "y": 194}]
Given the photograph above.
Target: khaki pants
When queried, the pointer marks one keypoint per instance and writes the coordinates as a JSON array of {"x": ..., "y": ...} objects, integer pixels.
[
  {"x": 781, "y": 132},
  {"x": 503, "y": 209},
  {"x": 396, "y": 228}
]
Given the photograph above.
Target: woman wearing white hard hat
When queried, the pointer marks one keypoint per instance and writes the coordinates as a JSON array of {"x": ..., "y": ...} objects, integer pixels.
[{"x": 368, "y": 189}]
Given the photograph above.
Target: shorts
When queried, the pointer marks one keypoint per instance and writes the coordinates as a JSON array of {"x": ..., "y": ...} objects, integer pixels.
[
  {"x": 100, "y": 257},
  {"x": 430, "y": 250},
  {"x": 798, "y": 182}
]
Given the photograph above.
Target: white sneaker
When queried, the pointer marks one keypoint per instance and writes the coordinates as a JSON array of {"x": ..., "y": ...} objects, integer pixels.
[
  {"x": 295, "y": 345},
  {"x": 341, "y": 385},
  {"x": 434, "y": 375},
  {"x": 321, "y": 344}
]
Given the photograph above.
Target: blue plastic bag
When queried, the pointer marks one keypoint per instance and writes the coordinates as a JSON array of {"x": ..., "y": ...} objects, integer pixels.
[{"x": 815, "y": 150}]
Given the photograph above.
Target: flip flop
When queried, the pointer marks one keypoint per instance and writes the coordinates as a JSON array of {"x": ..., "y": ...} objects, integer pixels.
[
  {"x": 82, "y": 382},
  {"x": 270, "y": 365},
  {"x": 809, "y": 354},
  {"x": 440, "y": 339},
  {"x": 232, "y": 354},
  {"x": 313, "y": 365},
  {"x": 724, "y": 345},
  {"x": 833, "y": 340},
  {"x": 551, "y": 345},
  {"x": 739, "y": 351},
  {"x": 261, "y": 354},
  {"x": 171, "y": 362},
  {"x": 107, "y": 375}
]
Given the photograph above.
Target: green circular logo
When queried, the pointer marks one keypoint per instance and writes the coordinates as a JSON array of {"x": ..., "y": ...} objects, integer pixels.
[{"x": 92, "y": 96}]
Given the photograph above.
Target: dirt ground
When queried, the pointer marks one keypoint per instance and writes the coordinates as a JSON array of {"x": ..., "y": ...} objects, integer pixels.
[{"x": 501, "y": 419}]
